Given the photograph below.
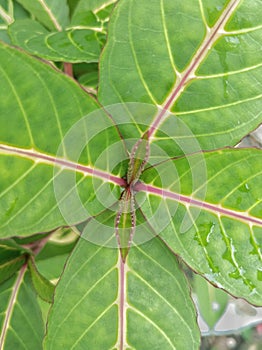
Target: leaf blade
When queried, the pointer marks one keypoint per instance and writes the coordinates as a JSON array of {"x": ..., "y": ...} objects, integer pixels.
[
  {"x": 183, "y": 86},
  {"x": 224, "y": 237}
]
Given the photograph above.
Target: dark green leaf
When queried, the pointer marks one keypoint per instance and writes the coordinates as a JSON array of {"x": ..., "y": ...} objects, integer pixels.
[
  {"x": 21, "y": 321},
  {"x": 44, "y": 288}
]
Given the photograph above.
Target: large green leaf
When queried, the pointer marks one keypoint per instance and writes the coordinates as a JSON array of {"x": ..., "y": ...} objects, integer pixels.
[
  {"x": 197, "y": 60},
  {"x": 21, "y": 321},
  {"x": 101, "y": 303},
  {"x": 219, "y": 217},
  {"x": 30, "y": 135}
]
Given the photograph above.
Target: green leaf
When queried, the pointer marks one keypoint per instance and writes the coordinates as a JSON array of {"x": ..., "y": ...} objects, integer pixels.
[
  {"x": 52, "y": 258},
  {"x": 12, "y": 258},
  {"x": 51, "y": 13},
  {"x": 21, "y": 321},
  {"x": 30, "y": 159},
  {"x": 211, "y": 301},
  {"x": 210, "y": 77},
  {"x": 96, "y": 280},
  {"x": 9, "y": 267},
  {"x": 44, "y": 288},
  {"x": 92, "y": 13},
  {"x": 9, "y": 11},
  {"x": 217, "y": 213},
  {"x": 73, "y": 45}
]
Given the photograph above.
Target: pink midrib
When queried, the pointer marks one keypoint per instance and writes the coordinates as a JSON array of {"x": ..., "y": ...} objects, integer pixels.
[
  {"x": 217, "y": 209},
  {"x": 186, "y": 78},
  {"x": 45, "y": 158}
]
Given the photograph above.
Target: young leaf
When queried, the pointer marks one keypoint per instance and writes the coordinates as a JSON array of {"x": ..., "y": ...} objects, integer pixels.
[
  {"x": 204, "y": 71},
  {"x": 119, "y": 303},
  {"x": 44, "y": 288},
  {"x": 21, "y": 321}
]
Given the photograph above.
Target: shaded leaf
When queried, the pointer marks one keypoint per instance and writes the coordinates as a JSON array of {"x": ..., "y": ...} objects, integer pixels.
[
  {"x": 21, "y": 321},
  {"x": 12, "y": 258},
  {"x": 52, "y": 14},
  {"x": 44, "y": 288}
]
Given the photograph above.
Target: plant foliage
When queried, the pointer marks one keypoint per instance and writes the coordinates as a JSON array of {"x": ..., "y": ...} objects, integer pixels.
[{"x": 134, "y": 150}]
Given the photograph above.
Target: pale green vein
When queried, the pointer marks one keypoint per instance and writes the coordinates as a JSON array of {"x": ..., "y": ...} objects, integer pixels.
[
  {"x": 84, "y": 296},
  {"x": 50, "y": 14},
  {"x": 92, "y": 325},
  {"x": 88, "y": 260},
  {"x": 53, "y": 104},
  {"x": 234, "y": 189},
  {"x": 160, "y": 330},
  {"x": 104, "y": 5},
  {"x": 222, "y": 132},
  {"x": 46, "y": 37},
  {"x": 27, "y": 203},
  {"x": 167, "y": 38},
  {"x": 162, "y": 298},
  {"x": 219, "y": 173},
  {"x": 31, "y": 327},
  {"x": 239, "y": 102},
  {"x": 16, "y": 182},
  {"x": 19, "y": 339},
  {"x": 69, "y": 35},
  {"x": 226, "y": 74},
  {"x": 58, "y": 202},
  {"x": 6, "y": 17},
  {"x": 162, "y": 268},
  {"x": 203, "y": 13},
  {"x": 20, "y": 106},
  {"x": 135, "y": 57},
  {"x": 254, "y": 205},
  {"x": 243, "y": 31}
]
